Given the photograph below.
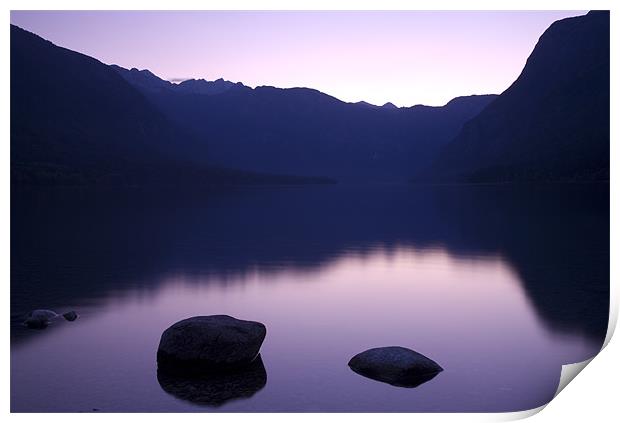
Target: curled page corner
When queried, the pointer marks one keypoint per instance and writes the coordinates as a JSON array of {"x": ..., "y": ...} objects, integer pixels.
[
  {"x": 519, "y": 415},
  {"x": 569, "y": 372},
  {"x": 613, "y": 317}
]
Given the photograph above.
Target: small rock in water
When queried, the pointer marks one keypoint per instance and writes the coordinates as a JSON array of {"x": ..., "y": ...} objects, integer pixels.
[
  {"x": 40, "y": 319},
  {"x": 397, "y": 366},
  {"x": 209, "y": 344},
  {"x": 70, "y": 315}
]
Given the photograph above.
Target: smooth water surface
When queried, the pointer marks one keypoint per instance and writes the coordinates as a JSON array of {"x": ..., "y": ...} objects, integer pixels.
[{"x": 499, "y": 285}]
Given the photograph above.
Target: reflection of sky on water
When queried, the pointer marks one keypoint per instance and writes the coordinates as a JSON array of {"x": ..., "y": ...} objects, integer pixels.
[{"x": 470, "y": 314}]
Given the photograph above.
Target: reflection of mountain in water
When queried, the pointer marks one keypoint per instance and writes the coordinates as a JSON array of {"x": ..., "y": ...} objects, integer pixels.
[{"x": 68, "y": 246}]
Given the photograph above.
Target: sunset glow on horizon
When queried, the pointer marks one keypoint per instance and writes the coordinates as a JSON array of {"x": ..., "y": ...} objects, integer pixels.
[{"x": 403, "y": 57}]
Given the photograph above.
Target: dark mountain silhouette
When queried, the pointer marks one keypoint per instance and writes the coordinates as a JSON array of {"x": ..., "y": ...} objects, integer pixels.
[
  {"x": 146, "y": 80},
  {"x": 389, "y": 105},
  {"x": 143, "y": 79},
  {"x": 74, "y": 120},
  {"x": 552, "y": 124},
  {"x": 366, "y": 104},
  {"x": 201, "y": 86},
  {"x": 304, "y": 131}
]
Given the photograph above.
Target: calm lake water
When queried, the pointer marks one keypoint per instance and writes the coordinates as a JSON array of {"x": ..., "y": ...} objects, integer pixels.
[{"x": 499, "y": 285}]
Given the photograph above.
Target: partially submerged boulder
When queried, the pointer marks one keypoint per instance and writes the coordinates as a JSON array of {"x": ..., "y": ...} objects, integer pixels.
[
  {"x": 216, "y": 389},
  {"x": 40, "y": 319},
  {"x": 397, "y": 366},
  {"x": 209, "y": 344}
]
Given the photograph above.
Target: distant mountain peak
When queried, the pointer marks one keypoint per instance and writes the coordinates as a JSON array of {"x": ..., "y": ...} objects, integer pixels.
[
  {"x": 202, "y": 86},
  {"x": 142, "y": 78},
  {"x": 145, "y": 72},
  {"x": 147, "y": 80},
  {"x": 366, "y": 104},
  {"x": 387, "y": 106}
]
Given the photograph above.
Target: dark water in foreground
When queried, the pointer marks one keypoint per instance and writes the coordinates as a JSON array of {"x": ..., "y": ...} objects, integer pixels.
[{"x": 499, "y": 285}]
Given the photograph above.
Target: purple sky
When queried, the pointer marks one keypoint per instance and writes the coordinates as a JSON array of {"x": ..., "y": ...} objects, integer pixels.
[{"x": 411, "y": 57}]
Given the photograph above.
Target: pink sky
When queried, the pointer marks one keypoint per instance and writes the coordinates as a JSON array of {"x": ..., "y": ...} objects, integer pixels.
[{"x": 405, "y": 57}]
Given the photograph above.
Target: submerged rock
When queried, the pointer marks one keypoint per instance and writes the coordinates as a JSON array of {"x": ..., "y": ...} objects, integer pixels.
[
  {"x": 216, "y": 389},
  {"x": 397, "y": 366},
  {"x": 40, "y": 319},
  {"x": 209, "y": 344}
]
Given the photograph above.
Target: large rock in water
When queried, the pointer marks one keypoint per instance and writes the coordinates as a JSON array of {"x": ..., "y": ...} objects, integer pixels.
[
  {"x": 209, "y": 344},
  {"x": 397, "y": 366}
]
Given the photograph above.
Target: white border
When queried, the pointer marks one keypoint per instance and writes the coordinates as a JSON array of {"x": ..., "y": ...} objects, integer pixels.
[{"x": 592, "y": 397}]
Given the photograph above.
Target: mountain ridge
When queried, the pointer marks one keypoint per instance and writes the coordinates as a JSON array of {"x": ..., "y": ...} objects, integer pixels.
[
  {"x": 141, "y": 78},
  {"x": 74, "y": 120},
  {"x": 281, "y": 130},
  {"x": 551, "y": 124}
]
